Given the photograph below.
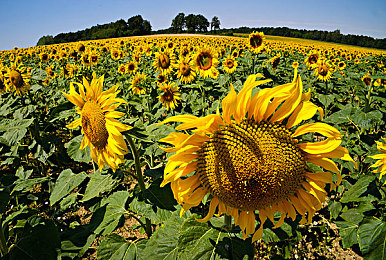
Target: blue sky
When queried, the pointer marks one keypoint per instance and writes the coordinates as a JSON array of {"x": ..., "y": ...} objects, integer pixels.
[{"x": 23, "y": 22}]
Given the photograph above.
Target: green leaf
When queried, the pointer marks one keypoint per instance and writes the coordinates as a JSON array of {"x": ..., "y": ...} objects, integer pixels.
[
  {"x": 23, "y": 174},
  {"x": 75, "y": 153},
  {"x": 66, "y": 182},
  {"x": 353, "y": 216},
  {"x": 27, "y": 185},
  {"x": 4, "y": 199},
  {"x": 40, "y": 240},
  {"x": 15, "y": 130},
  {"x": 348, "y": 233},
  {"x": 335, "y": 208},
  {"x": 115, "y": 247},
  {"x": 198, "y": 240},
  {"x": 235, "y": 248},
  {"x": 163, "y": 243},
  {"x": 142, "y": 208},
  {"x": 372, "y": 238},
  {"x": 115, "y": 209},
  {"x": 162, "y": 197},
  {"x": 68, "y": 201},
  {"x": 353, "y": 194},
  {"x": 99, "y": 183}
]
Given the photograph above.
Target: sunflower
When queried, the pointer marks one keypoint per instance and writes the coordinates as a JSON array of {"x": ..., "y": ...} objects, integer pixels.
[
  {"x": 185, "y": 71},
  {"x": 122, "y": 69},
  {"x": 341, "y": 65},
  {"x": 205, "y": 60},
  {"x": 85, "y": 58},
  {"x": 102, "y": 132},
  {"x": 136, "y": 84},
  {"x": 229, "y": 64},
  {"x": 116, "y": 54},
  {"x": 3, "y": 87},
  {"x": 380, "y": 164},
  {"x": 44, "y": 57},
  {"x": 252, "y": 160},
  {"x": 131, "y": 67},
  {"x": 256, "y": 41},
  {"x": 366, "y": 79},
  {"x": 295, "y": 65},
  {"x": 170, "y": 95},
  {"x": 312, "y": 59},
  {"x": 161, "y": 79},
  {"x": 16, "y": 79},
  {"x": 94, "y": 57},
  {"x": 323, "y": 70},
  {"x": 50, "y": 71},
  {"x": 164, "y": 61}
]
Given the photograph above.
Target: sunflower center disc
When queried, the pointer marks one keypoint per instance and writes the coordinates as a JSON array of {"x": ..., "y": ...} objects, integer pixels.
[
  {"x": 204, "y": 60},
  {"x": 250, "y": 166},
  {"x": 255, "y": 41},
  {"x": 16, "y": 79},
  {"x": 94, "y": 124}
]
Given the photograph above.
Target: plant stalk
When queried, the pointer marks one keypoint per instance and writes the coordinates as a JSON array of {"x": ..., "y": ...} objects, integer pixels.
[
  {"x": 140, "y": 178},
  {"x": 228, "y": 222},
  {"x": 3, "y": 242}
]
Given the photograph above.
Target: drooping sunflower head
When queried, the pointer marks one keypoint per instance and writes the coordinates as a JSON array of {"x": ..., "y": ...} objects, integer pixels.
[
  {"x": 137, "y": 84},
  {"x": 323, "y": 70},
  {"x": 101, "y": 129},
  {"x": 17, "y": 79},
  {"x": 185, "y": 70},
  {"x": 164, "y": 61},
  {"x": 380, "y": 164},
  {"x": 256, "y": 41},
  {"x": 252, "y": 157},
  {"x": 312, "y": 59},
  {"x": 366, "y": 79},
  {"x": 170, "y": 95}
]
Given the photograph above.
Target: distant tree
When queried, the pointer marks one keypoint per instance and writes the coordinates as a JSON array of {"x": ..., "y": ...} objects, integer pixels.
[
  {"x": 146, "y": 27},
  {"x": 191, "y": 23},
  {"x": 46, "y": 40},
  {"x": 202, "y": 23},
  {"x": 135, "y": 23},
  {"x": 179, "y": 23},
  {"x": 215, "y": 24}
]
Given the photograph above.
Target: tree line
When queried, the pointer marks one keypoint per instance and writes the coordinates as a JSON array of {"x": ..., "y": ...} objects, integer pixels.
[
  {"x": 197, "y": 23},
  {"x": 326, "y": 36},
  {"x": 134, "y": 26}
]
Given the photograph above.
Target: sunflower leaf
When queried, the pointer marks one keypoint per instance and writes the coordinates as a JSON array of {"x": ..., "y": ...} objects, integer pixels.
[
  {"x": 66, "y": 182},
  {"x": 116, "y": 247},
  {"x": 75, "y": 153}
]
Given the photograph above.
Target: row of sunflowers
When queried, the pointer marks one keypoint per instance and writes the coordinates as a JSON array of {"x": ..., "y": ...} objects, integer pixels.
[{"x": 235, "y": 144}]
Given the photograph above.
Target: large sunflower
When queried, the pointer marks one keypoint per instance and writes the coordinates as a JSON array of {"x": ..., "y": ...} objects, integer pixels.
[
  {"x": 102, "y": 132},
  {"x": 205, "y": 60},
  {"x": 256, "y": 41},
  {"x": 252, "y": 158},
  {"x": 380, "y": 164}
]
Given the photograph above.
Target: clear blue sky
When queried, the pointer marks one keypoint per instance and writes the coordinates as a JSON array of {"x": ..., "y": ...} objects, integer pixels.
[{"x": 23, "y": 22}]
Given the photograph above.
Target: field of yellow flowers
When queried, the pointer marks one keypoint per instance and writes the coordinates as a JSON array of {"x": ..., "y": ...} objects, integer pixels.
[{"x": 193, "y": 147}]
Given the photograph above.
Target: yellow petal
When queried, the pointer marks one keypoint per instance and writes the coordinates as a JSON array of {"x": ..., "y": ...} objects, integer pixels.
[
  {"x": 212, "y": 207},
  {"x": 321, "y": 128},
  {"x": 325, "y": 146},
  {"x": 229, "y": 105}
]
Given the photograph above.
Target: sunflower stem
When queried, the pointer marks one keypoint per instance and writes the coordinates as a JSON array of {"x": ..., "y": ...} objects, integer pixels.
[
  {"x": 227, "y": 222},
  {"x": 140, "y": 178},
  {"x": 3, "y": 242}
]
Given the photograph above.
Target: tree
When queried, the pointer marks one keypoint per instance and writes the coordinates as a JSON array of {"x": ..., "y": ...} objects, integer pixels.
[
  {"x": 191, "y": 23},
  {"x": 45, "y": 40},
  {"x": 178, "y": 23},
  {"x": 146, "y": 27},
  {"x": 215, "y": 23},
  {"x": 202, "y": 23}
]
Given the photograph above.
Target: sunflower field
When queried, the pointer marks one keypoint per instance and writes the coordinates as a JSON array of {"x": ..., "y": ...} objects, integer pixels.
[{"x": 193, "y": 147}]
